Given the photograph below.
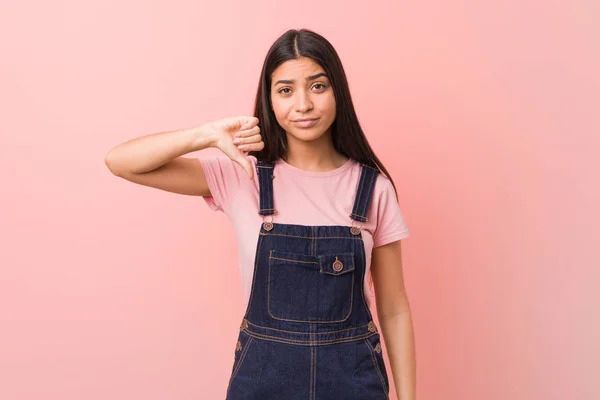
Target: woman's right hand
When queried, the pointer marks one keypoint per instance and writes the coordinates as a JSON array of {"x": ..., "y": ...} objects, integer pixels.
[
  {"x": 236, "y": 136},
  {"x": 157, "y": 160}
]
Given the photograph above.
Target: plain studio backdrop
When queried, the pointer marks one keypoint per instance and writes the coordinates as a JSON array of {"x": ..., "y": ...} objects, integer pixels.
[{"x": 485, "y": 113}]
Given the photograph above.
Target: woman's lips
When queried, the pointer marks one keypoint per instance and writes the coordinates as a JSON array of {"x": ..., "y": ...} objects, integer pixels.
[{"x": 307, "y": 123}]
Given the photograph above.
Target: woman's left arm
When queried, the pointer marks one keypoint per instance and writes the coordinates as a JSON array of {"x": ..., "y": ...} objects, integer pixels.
[{"x": 393, "y": 312}]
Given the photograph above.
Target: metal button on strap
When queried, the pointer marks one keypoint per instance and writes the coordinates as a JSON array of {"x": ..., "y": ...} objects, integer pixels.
[
  {"x": 244, "y": 324},
  {"x": 337, "y": 265},
  {"x": 377, "y": 348},
  {"x": 372, "y": 327},
  {"x": 268, "y": 225},
  {"x": 355, "y": 230}
]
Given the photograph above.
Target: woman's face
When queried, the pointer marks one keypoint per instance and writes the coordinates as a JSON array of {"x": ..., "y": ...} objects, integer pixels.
[{"x": 301, "y": 90}]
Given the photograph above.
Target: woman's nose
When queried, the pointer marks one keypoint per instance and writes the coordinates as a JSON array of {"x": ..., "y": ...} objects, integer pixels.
[{"x": 303, "y": 102}]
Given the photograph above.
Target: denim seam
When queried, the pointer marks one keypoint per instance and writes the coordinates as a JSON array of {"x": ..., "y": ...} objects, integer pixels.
[
  {"x": 363, "y": 176},
  {"x": 369, "y": 194},
  {"x": 366, "y": 199},
  {"x": 309, "y": 342},
  {"x": 307, "y": 333},
  {"x": 315, "y": 372},
  {"x": 315, "y": 238},
  {"x": 270, "y": 189},
  {"x": 360, "y": 216},
  {"x": 362, "y": 286},
  {"x": 253, "y": 277},
  {"x": 292, "y": 260},
  {"x": 376, "y": 364},
  {"x": 241, "y": 360}
]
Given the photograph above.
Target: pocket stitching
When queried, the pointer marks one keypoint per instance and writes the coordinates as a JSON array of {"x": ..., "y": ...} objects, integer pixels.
[
  {"x": 376, "y": 364},
  {"x": 292, "y": 257},
  {"x": 241, "y": 359},
  {"x": 271, "y": 252},
  {"x": 326, "y": 267}
]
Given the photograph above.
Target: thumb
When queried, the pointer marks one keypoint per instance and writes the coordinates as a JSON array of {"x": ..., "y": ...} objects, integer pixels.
[{"x": 245, "y": 163}]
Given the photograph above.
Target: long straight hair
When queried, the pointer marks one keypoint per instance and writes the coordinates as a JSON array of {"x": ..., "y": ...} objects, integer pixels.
[{"x": 347, "y": 135}]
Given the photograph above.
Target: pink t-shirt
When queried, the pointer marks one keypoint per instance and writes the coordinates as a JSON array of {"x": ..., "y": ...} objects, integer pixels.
[{"x": 301, "y": 197}]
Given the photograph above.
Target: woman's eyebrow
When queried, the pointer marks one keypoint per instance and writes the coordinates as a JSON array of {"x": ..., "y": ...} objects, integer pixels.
[{"x": 310, "y": 78}]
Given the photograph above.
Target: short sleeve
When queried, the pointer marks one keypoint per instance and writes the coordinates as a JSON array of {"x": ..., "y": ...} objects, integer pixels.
[
  {"x": 390, "y": 221},
  {"x": 223, "y": 177}
]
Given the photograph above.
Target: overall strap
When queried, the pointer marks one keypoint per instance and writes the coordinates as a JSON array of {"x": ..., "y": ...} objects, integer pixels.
[
  {"x": 364, "y": 193},
  {"x": 264, "y": 170}
]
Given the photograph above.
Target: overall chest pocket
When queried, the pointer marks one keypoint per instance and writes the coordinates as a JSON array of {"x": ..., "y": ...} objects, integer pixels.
[{"x": 310, "y": 288}]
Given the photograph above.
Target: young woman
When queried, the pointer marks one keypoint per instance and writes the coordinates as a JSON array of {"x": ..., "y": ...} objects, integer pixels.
[{"x": 314, "y": 217}]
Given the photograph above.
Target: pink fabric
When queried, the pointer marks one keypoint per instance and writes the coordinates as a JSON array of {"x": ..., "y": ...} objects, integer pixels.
[{"x": 300, "y": 197}]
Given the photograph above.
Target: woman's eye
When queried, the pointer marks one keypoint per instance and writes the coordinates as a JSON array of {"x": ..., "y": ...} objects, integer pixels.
[{"x": 318, "y": 86}]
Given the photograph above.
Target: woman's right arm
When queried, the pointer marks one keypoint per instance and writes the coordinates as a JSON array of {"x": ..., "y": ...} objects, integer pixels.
[{"x": 156, "y": 160}]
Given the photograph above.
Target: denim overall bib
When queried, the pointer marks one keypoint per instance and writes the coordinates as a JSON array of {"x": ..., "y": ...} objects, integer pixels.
[{"x": 307, "y": 333}]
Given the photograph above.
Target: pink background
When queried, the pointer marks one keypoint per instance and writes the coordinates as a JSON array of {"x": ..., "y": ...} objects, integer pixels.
[{"x": 485, "y": 113}]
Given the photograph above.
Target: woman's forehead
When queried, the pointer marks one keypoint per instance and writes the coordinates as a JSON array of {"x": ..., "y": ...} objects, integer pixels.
[{"x": 298, "y": 68}]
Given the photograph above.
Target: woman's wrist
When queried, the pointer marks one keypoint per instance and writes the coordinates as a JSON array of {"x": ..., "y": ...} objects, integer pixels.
[{"x": 203, "y": 137}]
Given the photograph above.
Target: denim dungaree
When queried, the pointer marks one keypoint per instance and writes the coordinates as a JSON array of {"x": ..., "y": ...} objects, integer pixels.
[{"x": 307, "y": 332}]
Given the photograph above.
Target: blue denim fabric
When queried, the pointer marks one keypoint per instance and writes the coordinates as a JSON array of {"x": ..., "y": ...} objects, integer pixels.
[{"x": 307, "y": 332}]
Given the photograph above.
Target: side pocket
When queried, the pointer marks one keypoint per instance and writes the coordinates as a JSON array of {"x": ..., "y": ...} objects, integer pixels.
[
  {"x": 374, "y": 344},
  {"x": 241, "y": 349}
]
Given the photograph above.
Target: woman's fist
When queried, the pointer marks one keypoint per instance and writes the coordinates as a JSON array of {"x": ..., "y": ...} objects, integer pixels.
[{"x": 236, "y": 136}]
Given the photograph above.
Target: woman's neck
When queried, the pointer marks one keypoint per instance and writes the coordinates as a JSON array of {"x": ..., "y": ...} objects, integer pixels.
[{"x": 313, "y": 156}]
